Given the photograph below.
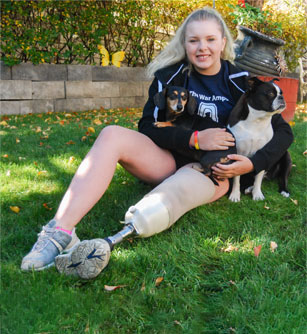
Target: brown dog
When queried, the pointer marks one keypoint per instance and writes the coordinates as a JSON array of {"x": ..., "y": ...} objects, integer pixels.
[{"x": 180, "y": 106}]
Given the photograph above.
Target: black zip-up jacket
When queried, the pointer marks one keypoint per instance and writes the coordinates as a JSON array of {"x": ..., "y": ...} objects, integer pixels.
[{"x": 174, "y": 137}]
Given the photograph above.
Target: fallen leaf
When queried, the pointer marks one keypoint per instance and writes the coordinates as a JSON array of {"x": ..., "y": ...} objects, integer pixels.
[
  {"x": 17, "y": 141},
  {"x": 294, "y": 201},
  {"x": 159, "y": 280},
  {"x": 90, "y": 129},
  {"x": 62, "y": 122},
  {"x": 266, "y": 207},
  {"x": 15, "y": 209},
  {"x": 5, "y": 156},
  {"x": 305, "y": 152},
  {"x": 45, "y": 205},
  {"x": 97, "y": 121},
  {"x": 257, "y": 250},
  {"x": 38, "y": 129},
  {"x": 176, "y": 322},
  {"x": 143, "y": 286},
  {"x": 70, "y": 142},
  {"x": 229, "y": 249},
  {"x": 113, "y": 287},
  {"x": 273, "y": 246},
  {"x": 8, "y": 173},
  {"x": 83, "y": 138},
  {"x": 42, "y": 172},
  {"x": 71, "y": 160},
  {"x": 3, "y": 123}
]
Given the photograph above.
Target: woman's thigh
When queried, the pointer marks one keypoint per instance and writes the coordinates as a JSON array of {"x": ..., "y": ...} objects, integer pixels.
[{"x": 139, "y": 155}]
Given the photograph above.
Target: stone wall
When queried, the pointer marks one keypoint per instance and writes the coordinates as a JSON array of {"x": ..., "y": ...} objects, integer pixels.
[{"x": 28, "y": 88}]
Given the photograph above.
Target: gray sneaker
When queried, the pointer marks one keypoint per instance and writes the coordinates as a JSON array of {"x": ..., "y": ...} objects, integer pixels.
[
  {"x": 50, "y": 243},
  {"x": 86, "y": 260}
]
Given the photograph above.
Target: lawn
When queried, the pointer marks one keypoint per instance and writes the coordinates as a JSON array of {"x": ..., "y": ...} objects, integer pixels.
[{"x": 199, "y": 277}]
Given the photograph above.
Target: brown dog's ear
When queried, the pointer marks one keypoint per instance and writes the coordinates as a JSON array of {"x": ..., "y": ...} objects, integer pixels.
[
  {"x": 160, "y": 99},
  {"x": 191, "y": 105},
  {"x": 239, "y": 112}
]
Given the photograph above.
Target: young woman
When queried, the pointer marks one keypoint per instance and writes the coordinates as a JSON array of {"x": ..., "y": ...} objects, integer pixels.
[{"x": 199, "y": 58}]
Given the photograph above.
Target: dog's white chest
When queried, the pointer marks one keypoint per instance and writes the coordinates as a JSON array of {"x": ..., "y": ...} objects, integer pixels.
[{"x": 252, "y": 135}]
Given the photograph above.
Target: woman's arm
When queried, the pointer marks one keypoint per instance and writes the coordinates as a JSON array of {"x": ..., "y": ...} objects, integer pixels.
[{"x": 264, "y": 158}]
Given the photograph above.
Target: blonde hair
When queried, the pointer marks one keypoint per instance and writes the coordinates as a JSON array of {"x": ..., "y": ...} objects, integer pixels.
[{"x": 175, "y": 50}]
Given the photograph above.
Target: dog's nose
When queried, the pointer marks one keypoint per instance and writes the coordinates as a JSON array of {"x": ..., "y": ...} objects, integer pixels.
[{"x": 179, "y": 107}]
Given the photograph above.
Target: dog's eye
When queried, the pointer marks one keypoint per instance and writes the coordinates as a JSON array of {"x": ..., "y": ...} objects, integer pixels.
[
  {"x": 184, "y": 98},
  {"x": 173, "y": 96},
  {"x": 271, "y": 94}
]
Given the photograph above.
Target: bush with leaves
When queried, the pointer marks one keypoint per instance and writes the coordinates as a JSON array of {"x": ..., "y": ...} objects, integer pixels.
[{"x": 69, "y": 32}]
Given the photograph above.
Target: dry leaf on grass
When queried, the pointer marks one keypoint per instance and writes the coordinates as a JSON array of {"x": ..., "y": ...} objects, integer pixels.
[
  {"x": 15, "y": 209},
  {"x": 273, "y": 246},
  {"x": 295, "y": 201},
  {"x": 229, "y": 249},
  {"x": 91, "y": 129},
  {"x": 158, "y": 281},
  {"x": 257, "y": 250},
  {"x": 113, "y": 287},
  {"x": 97, "y": 121}
]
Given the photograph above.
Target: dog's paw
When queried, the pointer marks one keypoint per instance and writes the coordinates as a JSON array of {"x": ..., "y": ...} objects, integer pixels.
[
  {"x": 248, "y": 190},
  {"x": 258, "y": 195},
  {"x": 285, "y": 194},
  {"x": 234, "y": 197}
]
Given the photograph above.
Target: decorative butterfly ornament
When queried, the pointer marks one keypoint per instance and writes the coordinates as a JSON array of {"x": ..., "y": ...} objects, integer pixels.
[{"x": 117, "y": 57}]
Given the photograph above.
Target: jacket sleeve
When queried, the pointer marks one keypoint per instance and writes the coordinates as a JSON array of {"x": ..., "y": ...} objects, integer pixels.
[
  {"x": 170, "y": 138},
  {"x": 266, "y": 157}
]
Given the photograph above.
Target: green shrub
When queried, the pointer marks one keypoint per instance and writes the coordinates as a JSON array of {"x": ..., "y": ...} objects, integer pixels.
[{"x": 69, "y": 32}]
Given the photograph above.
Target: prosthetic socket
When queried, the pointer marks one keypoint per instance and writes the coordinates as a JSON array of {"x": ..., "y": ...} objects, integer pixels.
[{"x": 165, "y": 204}]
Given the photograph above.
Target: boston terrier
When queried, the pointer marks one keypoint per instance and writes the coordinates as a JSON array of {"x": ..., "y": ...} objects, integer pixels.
[{"x": 250, "y": 122}]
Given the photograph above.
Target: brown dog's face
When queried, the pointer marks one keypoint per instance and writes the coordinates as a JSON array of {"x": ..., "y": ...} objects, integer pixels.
[{"x": 176, "y": 99}]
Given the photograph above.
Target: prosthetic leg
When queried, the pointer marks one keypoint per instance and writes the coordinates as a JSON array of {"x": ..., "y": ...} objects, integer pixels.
[{"x": 154, "y": 213}]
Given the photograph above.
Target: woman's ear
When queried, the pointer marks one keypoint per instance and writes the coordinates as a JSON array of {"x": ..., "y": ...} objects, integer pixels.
[{"x": 159, "y": 99}]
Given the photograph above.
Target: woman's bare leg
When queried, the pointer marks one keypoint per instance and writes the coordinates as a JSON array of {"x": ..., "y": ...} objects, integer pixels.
[{"x": 137, "y": 153}]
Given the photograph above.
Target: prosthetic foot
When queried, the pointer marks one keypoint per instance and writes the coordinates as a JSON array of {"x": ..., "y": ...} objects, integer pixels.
[{"x": 154, "y": 213}]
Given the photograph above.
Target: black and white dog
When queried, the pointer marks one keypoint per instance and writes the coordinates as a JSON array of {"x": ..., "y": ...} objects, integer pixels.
[{"x": 250, "y": 122}]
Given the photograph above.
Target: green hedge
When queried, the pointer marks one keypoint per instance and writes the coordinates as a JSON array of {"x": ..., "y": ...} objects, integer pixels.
[{"x": 69, "y": 32}]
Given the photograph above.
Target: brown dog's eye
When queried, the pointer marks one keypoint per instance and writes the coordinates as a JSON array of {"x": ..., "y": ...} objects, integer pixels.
[
  {"x": 184, "y": 98},
  {"x": 173, "y": 96}
]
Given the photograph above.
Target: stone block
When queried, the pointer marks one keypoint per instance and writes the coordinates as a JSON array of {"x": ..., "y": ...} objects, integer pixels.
[
  {"x": 146, "y": 85},
  {"x": 16, "y": 107},
  {"x": 123, "y": 102},
  {"x": 41, "y": 72},
  {"x": 5, "y": 72},
  {"x": 140, "y": 101},
  {"x": 130, "y": 89},
  {"x": 42, "y": 106},
  {"x": 112, "y": 73},
  {"x": 79, "y": 72},
  {"x": 15, "y": 90},
  {"x": 86, "y": 89},
  {"x": 81, "y": 104},
  {"x": 48, "y": 90},
  {"x": 9, "y": 107}
]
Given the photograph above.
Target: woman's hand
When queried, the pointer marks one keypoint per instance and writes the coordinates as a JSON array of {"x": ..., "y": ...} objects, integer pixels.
[
  {"x": 240, "y": 166},
  {"x": 213, "y": 139}
]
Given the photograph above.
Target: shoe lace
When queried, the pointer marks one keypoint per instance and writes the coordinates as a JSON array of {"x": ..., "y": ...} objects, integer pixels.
[{"x": 43, "y": 236}]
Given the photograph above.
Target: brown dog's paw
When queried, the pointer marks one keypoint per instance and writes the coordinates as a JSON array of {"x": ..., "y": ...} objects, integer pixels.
[{"x": 162, "y": 124}]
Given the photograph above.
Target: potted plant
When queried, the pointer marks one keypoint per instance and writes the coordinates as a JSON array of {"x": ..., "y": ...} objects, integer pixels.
[{"x": 256, "y": 49}]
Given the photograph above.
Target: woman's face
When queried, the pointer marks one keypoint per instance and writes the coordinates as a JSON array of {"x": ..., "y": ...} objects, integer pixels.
[{"x": 204, "y": 44}]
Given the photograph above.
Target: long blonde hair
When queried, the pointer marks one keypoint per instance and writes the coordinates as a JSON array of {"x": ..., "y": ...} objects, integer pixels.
[{"x": 175, "y": 50}]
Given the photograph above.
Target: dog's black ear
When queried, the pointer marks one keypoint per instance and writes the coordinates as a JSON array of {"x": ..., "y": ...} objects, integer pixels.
[
  {"x": 253, "y": 82},
  {"x": 239, "y": 112},
  {"x": 159, "y": 99},
  {"x": 274, "y": 79},
  {"x": 191, "y": 105}
]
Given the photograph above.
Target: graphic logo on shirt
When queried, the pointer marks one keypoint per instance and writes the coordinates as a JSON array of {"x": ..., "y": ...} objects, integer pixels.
[{"x": 209, "y": 109}]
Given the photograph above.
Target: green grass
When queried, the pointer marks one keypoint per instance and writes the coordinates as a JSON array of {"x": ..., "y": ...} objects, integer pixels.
[{"x": 205, "y": 289}]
